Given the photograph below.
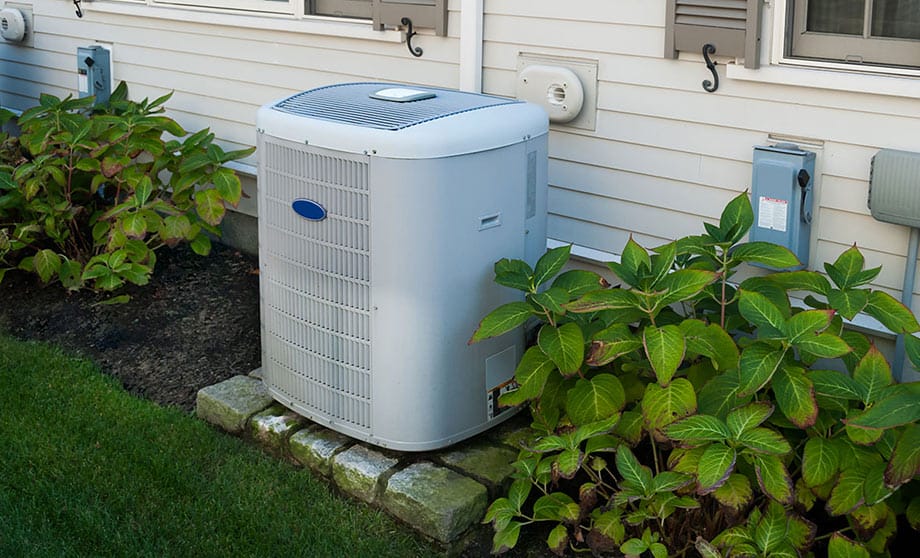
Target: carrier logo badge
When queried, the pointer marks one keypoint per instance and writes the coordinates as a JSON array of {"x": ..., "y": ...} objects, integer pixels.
[{"x": 309, "y": 209}]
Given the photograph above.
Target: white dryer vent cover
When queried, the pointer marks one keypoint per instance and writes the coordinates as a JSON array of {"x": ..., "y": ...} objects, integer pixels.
[
  {"x": 360, "y": 104},
  {"x": 12, "y": 25}
]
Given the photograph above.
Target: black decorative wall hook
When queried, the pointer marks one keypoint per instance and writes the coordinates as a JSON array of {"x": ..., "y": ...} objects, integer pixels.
[
  {"x": 711, "y": 86},
  {"x": 76, "y": 4},
  {"x": 416, "y": 51}
]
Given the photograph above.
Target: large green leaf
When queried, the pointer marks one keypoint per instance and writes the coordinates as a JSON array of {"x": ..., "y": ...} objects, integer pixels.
[
  {"x": 771, "y": 529},
  {"x": 596, "y": 399},
  {"x": 556, "y": 506},
  {"x": 757, "y": 309},
  {"x": 558, "y": 539},
  {"x": 634, "y": 473},
  {"x": 901, "y": 408},
  {"x": 758, "y": 364},
  {"x": 665, "y": 348},
  {"x": 720, "y": 395},
  {"x": 807, "y": 323},
  {"x": 849, "y": 302},
  {"x": 773, "y": 478},
  {"x": 766, "y": 253},
  {"x": 662, "y": 262},
  {"x": 608, "y": 299},
  {"x": 913, "y": 513},
  {"x": 894, "y": 315},
  {"x": 134, "y": 225},
  {"x": 698, "y": 429},
  {"x": 210, "y": 206},
  {"x": 824, "y": 345},
  {"x": 795, "y": 395},
  {"x": 227, "y": 184},
  {"x": 905, "y": 461},
  {"x": 565, "y": 345},
  {"x": 506, "y": 539},
  {"x": 531, "y": 373},
  {"x": 766, "y": 441},
  {"x": 736, "y": 492},
  {"x": 874, "y": 488},
  {"x": 820, "y": 461},
  {"x": 846, "y": 268},
  {"x": 841, "y": 547},
  {"x": 635, "y": 259},
  {"x": 46, "y": 263},
  {"x": 684, "y": 285},
  {"x": 551, "y": 300},
  {"x": 912, "y": 347},
  {"x": 175, "y": 228},
  {"x": 663, "y": 405},
  {"x": 578, "y": 282},
  {"x": 711, "y": 341},
  {"x": 502, "y": 320},
  {"x": 669, "y": 481},
  {"x": 201, "y": 244},
  {"x": 612, "y": 343},
  {"x": 716, "y": 464},
  {"x": 847, "y": 493},
  {"x": 874, "y": 374},
  {"x": 833, "y": 385},
  {"x": 550, "y": 264},
  {"x": 801, "y": 281},
  {"x": 736, "y": 218},
  {"x": 515, "y": 274},
  {"x": 748, "y": 417},
  {"x": 567, "y": 463}
]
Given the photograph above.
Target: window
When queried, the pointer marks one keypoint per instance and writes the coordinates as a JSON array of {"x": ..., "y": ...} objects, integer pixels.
[
  {"x": 362, "y": 9},
  {"x": 430, "y": 14},
  {"x": 871, "y": 32}
]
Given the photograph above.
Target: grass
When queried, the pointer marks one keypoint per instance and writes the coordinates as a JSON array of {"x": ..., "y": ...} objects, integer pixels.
[{"x": 88, "y": 470}]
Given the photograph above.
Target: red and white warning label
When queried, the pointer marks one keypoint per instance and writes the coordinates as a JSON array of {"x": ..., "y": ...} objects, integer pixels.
[{"x": 772, "y": 214}]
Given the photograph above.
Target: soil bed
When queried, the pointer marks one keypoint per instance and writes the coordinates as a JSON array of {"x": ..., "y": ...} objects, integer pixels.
[{"x": 194, "y": 325}]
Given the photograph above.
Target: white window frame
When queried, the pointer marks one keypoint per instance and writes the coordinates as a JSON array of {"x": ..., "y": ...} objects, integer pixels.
[
  {"x": 297, "y": 22},
  {"x": 779, "y": 37},
  {"x": 827, "y": 46},
  {"x": 287, "y": 7},
  {"x": 777, "y": 68}
]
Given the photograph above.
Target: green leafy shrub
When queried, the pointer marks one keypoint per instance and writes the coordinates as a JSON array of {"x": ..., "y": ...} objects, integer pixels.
[
  {"x": 680, "y": 413},
  {"x": 87, "y": 195}
]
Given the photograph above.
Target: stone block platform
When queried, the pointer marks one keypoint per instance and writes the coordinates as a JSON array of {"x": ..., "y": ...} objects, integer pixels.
[{"x": 443, "y": 494}]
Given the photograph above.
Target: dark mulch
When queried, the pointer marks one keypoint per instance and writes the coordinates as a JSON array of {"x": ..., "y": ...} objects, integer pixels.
[{"x": 195, "y": 324}]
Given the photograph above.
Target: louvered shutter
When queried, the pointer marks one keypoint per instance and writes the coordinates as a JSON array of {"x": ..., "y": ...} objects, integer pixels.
[
  {"x": 431, "y": 14},
  {"x": 732, "y": 26}
]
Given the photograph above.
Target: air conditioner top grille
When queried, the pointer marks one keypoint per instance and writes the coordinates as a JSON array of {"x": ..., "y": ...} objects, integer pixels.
[{"x": 351, "y": 103}]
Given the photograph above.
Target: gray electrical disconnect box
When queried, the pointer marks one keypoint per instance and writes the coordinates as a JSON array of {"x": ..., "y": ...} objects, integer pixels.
[
  {"x": 94, "y": 73},
  {"x": 894, "y": 187},
  {"x": 782, "y": 190}
]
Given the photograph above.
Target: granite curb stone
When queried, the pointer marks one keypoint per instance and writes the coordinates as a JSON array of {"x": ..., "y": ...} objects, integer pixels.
[
  {"x": 316, "y": 448},
  {"x": 274, "y": 425},
  {"x": 230, "y": 403},
  {"x": 358, "y": 471},
  {"x": 435, "y": 500},
  {"x": 485, "y": 462}
]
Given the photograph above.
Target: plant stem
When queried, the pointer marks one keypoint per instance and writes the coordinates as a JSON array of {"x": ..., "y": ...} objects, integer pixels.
[{"x": 654, "y": 453}]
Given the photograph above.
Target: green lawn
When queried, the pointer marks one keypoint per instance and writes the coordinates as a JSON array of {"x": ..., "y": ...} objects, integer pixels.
[{"x": 88, "y": 470}]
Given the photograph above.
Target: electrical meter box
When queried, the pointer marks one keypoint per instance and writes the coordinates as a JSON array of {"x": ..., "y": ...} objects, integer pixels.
[
  {"x": 94, "y": 73},
  {"x": 894, "y": 187},
  {"x": 782, "y": 190}
]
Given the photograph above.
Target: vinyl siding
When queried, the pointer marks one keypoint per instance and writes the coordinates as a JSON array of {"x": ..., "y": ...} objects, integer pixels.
[{"x": 664, "y": 156}]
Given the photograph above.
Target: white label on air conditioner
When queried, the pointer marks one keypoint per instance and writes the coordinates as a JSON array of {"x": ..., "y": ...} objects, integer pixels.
[{"x": 771, "y": 214}]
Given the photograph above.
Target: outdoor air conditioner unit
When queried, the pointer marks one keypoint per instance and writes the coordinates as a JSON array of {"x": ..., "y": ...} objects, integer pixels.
[{"x": 382, "y": 210}]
